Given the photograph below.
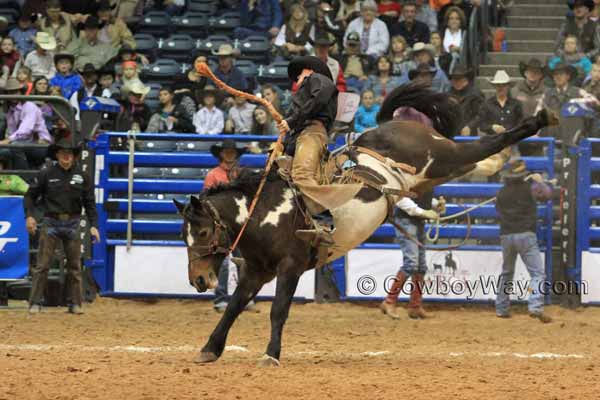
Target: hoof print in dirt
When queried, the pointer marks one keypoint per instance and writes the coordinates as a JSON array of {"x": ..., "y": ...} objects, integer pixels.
[
  {"x": 268, "y": 361},
  {"x": 203, "y": 358}
]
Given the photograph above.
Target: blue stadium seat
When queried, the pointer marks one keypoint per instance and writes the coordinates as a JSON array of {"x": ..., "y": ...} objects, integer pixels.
[
  {"x": 205, "y": 47},
  {"x": 224, "y": 24},
  {"x": 156, "y": 145},
  {"x": 151, "y": 99},
  {"x": 256, "y": 48},
  {"x": 206, "y": 7},
  {"x": 275, "y": 74},
  {"x": 146, "y": 44},
  {"x": 147, "y": 172},
  {"x": 162, "y": 71},
  {"x": 183, "y": 173},
  {"x": 10, "y": 14},
  {"x": 156, "y": 23},
  {"x": 177, "y": 47},
  {"x": 194, "y": 146},
  {"x": 191, "y": 23},
  {"x": 250, "y": 70}
]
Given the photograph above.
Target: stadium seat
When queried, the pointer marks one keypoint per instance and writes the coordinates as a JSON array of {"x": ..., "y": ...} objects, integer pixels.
[
  {"x": 147, "y": 172},
  {"x": 206, "y": 7},
  {"x": 191, "y": 23},
  {"x": 224, "y": 24},
  {"x": 177, "y": 47},
  {"x": 256, "y": 48},
  {"x": 156, "y": 145},
  {"x": 212, "y": 42},
  {"x": 194, "y": 146},
  {"x": 183, "y": 173},
  {"x": 10, "y": 14},
  {"x": 275, "y": 73},
  {"x": 156, "y": 23},
  {"x": 151, "y": 99},
  {"x": 5, "y": 4},
  {"x": 249, "y": 69},
  {"x": 146, "y": 44},
  {"x": 162, "y": 71}
]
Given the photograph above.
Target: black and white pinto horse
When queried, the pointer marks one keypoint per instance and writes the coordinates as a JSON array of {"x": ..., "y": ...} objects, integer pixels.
[{"x": 269, "y": 245}]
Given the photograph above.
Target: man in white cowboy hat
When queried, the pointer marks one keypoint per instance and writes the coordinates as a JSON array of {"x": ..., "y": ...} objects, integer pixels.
[
  {"x": 134, "y": 113},
  {"x": 374, "y": 34},
  {"x": 501, "y": 112},
  {"x": 424, "y": 53},
  {"x": 41, "y": 60},
  {"x": 227, "y": 72}
]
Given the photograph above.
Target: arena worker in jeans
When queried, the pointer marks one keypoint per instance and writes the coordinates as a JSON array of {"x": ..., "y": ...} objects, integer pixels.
[{"x": 517, "y": 211}]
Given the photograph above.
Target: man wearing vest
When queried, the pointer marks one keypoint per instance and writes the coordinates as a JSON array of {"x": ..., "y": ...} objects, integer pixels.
[
  {"x": 586, "y": 30},
  {"x": 517, "y": 211}
]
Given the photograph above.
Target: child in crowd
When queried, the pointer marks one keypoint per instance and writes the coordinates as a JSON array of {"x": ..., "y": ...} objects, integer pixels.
[
  {"x": 9, "y": 55},
  {"x": 68, "y": 81},
  {"x": 209, "y": 119},
  {"x": 107, "y": 83},
  {"x": 366, "y": 116},
  {"x": 130, "y": 76},
  {"x": 570, "y": 54},
  {"x": 398, "y": 55},
  {"x": 24, "y": 33},
  {"x": 24, "y": 78}
]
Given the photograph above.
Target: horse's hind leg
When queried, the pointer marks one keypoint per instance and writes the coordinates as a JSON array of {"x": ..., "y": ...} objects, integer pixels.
[
  {"x": 245, "y": 291},
  {"x": 288, "y": 275}
]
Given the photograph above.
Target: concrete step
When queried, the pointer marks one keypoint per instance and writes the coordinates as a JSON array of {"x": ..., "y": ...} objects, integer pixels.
[
  {"x": 539, "y": 10},
  {"x": 539, "y": 2},
  {"x": 535, "y": 22},
  {"x": 530, "y": 46},
  {"x": 531, "y": 33},
  {"x": 483, "y": 82},
  {"x": 490, "y": 70},
  {"x": 509, "y": 58}
]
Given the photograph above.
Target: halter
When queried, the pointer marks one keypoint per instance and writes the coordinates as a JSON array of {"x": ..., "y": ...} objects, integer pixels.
[{"x": 216, "y": 244}]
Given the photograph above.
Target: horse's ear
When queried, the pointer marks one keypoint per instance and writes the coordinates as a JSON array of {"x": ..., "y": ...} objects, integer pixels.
[
  {"x": 180, "y": 206},
  {"x": 196, "y": 203}
]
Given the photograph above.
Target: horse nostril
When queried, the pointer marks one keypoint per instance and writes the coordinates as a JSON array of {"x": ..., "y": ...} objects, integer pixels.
[{"x": 200, "y": 283}]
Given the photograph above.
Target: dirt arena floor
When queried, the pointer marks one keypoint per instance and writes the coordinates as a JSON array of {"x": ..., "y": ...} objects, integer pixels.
[{"x": 122, "y": 349}]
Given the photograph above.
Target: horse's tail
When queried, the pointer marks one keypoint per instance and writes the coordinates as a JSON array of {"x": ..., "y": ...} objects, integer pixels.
[{"x": 441, "y": 108}]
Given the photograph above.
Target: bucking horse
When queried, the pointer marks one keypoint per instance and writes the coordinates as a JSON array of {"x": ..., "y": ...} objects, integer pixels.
[{"x": 269, "y": 246}]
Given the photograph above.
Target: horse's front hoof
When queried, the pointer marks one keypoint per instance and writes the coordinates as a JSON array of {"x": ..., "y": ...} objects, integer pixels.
[
  {"x": 268, "y": 361},
  {"x": 205, "y": 357}
]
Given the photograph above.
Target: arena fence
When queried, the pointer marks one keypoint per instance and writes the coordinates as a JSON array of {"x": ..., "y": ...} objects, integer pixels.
[{"x": 155, "y": 265}]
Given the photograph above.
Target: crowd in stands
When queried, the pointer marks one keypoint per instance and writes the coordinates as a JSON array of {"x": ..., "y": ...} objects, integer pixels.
[{"x": 82, "y": 49}]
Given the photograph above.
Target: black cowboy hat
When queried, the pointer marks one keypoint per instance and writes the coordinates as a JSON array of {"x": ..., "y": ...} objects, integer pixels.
[
  {"x": 64, "y": 56},
  {"x": 63, "y": 144},
  {"x": 107, "y": 70},
  {"x": 517, "y": 169},
  {"x": 461, "y": 72},
  {"x": 323, "y": 39},
  {"x": 421, "y": 68},
  {"x": 227, "y": 144},
  {"x": 533, "y": 63},
  {"x": 298, "y": 64},
  {"x": 562, "y": 66},
  {"x": 586, "y": 3},
  {"x": 105, "y": 5},
  {"x": 89, "y": 69},
  {"x": 92, "y": 22}
]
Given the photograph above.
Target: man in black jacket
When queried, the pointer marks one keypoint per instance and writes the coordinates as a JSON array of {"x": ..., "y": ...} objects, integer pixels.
[
  {"x": 311, "y": 115},
  {"x": 468, "y": 96},
  {"x": 64, "y": 189}
]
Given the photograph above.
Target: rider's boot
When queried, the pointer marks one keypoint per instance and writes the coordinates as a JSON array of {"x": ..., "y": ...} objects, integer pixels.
[{"x": 322, "y": 232}]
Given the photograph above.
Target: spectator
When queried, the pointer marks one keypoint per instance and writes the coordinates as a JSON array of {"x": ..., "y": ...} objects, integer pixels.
[
  {"x": 424, "y": 74},
  {"x": 443, "y": 60},
  {"x": 59, "y": 24},
  {"x": 593, "y": 88},
  {"x": 571, "y": 55},
  {"x": 356, "y": 65},
  {"x": 9, "y": 55},
  {"x": 383, "y": 82},
  {"x": 41, "y": 60},
  {"x": 134, "y": 114},
  {"x": 366, "y": 116},
  {"x": 389, "y": 11},
  {"x": 374, "y": 35},
  {"x": 427, "y": 15},
  {"x": 531, "y": 89},
  {"x": 466, "y": 7},
  {"x": 130, "y": 76},
  {"x": 587, "y": 32},
  {"x": 114, "y": 32},
  {"x": 398, "y": 55},
  {"x": 322, "y": 45},
  {"x": 259, "y": 18},
  {"x": 455, "y": 23},
  {"x": 240, "y": 117},
  {"x": 90, "y": 87},
  {"x": 126, "y": 53},
  {"x": 294, "y": 37},
  {"x": 171, "y": 117},
  {"x": 24, "y": 33},
  {"x": 68, "y": 81},
  {"x": 409, "y": 27},
  {"x": 209, "y": 120},
  {"x": 41, "y": 87},
  {"x": 262, "y": 123},
  {"x": 501, "y": 112},
  {"x": 309, "y": 5},
  {"x": 422, "y": 53},
  {"x": 24, "y": 78},
  {"x": 88, "y": 49},
  {"x": 25, "y": 125},
  {"x": 468, "y": 96},
  {"x": 348, "y": 11},
  {"x": 191, "y": 82},
  {"x": 271, "y": 94},
  {"x": 517, "y": 211},
  {"x": 108, "y": 84},
  {"x": 227, "y": 72}
]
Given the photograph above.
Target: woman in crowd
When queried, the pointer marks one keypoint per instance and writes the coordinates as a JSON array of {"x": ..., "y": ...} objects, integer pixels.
[
  {"x": 41, "y": 87},
  {"x": 398, "y": 55},
  {"x": 443, "y": 59},
  {"x": 294, "y": 37},
  {"x": 383, "y": 82},
  {"x": 455, "y": 23},
  {"x": 172, "y": 117},
  {"x": 262, "y": 124}
]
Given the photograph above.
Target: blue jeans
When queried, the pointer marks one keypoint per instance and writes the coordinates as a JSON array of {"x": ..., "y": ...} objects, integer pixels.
[
  {"x": 221, "y": 296},
  {"x": 525, "y": 245},
  {"x": 413, "y": 256}
]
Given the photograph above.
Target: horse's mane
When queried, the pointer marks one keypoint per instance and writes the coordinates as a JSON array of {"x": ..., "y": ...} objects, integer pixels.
[
  {"x": 247, "y": 183},
  {"x": 443, "y": 111}
]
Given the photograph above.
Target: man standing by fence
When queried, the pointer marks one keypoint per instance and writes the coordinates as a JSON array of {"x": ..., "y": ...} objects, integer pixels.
[{"x": 63, "y": 189}]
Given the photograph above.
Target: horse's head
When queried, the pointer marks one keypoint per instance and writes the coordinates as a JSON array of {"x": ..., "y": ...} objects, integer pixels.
[{"x": 207, "y": 241}]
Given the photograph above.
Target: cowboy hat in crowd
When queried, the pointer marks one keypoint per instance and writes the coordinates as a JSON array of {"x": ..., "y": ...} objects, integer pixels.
[
  {"x": 501, "y": 78},
  {"x": 533, "y": 63},
  {"x": 562, "y": 67},
  {"x": 45, "y": 41},
  {"x": 460, "y": 71},
  {"x": 139, "y": 88},
  {"x": 226, "y": 50},
  {"x": 419, "y": 47},
  {"x": 585, "y": 3},
  {"x": 421, "y": 69},
  {"x": 63, "y": 144},
  {"x": 226, "y": 145},
  {"x": 298, "y": 64},
  {"x": 13, "y": 85}
]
